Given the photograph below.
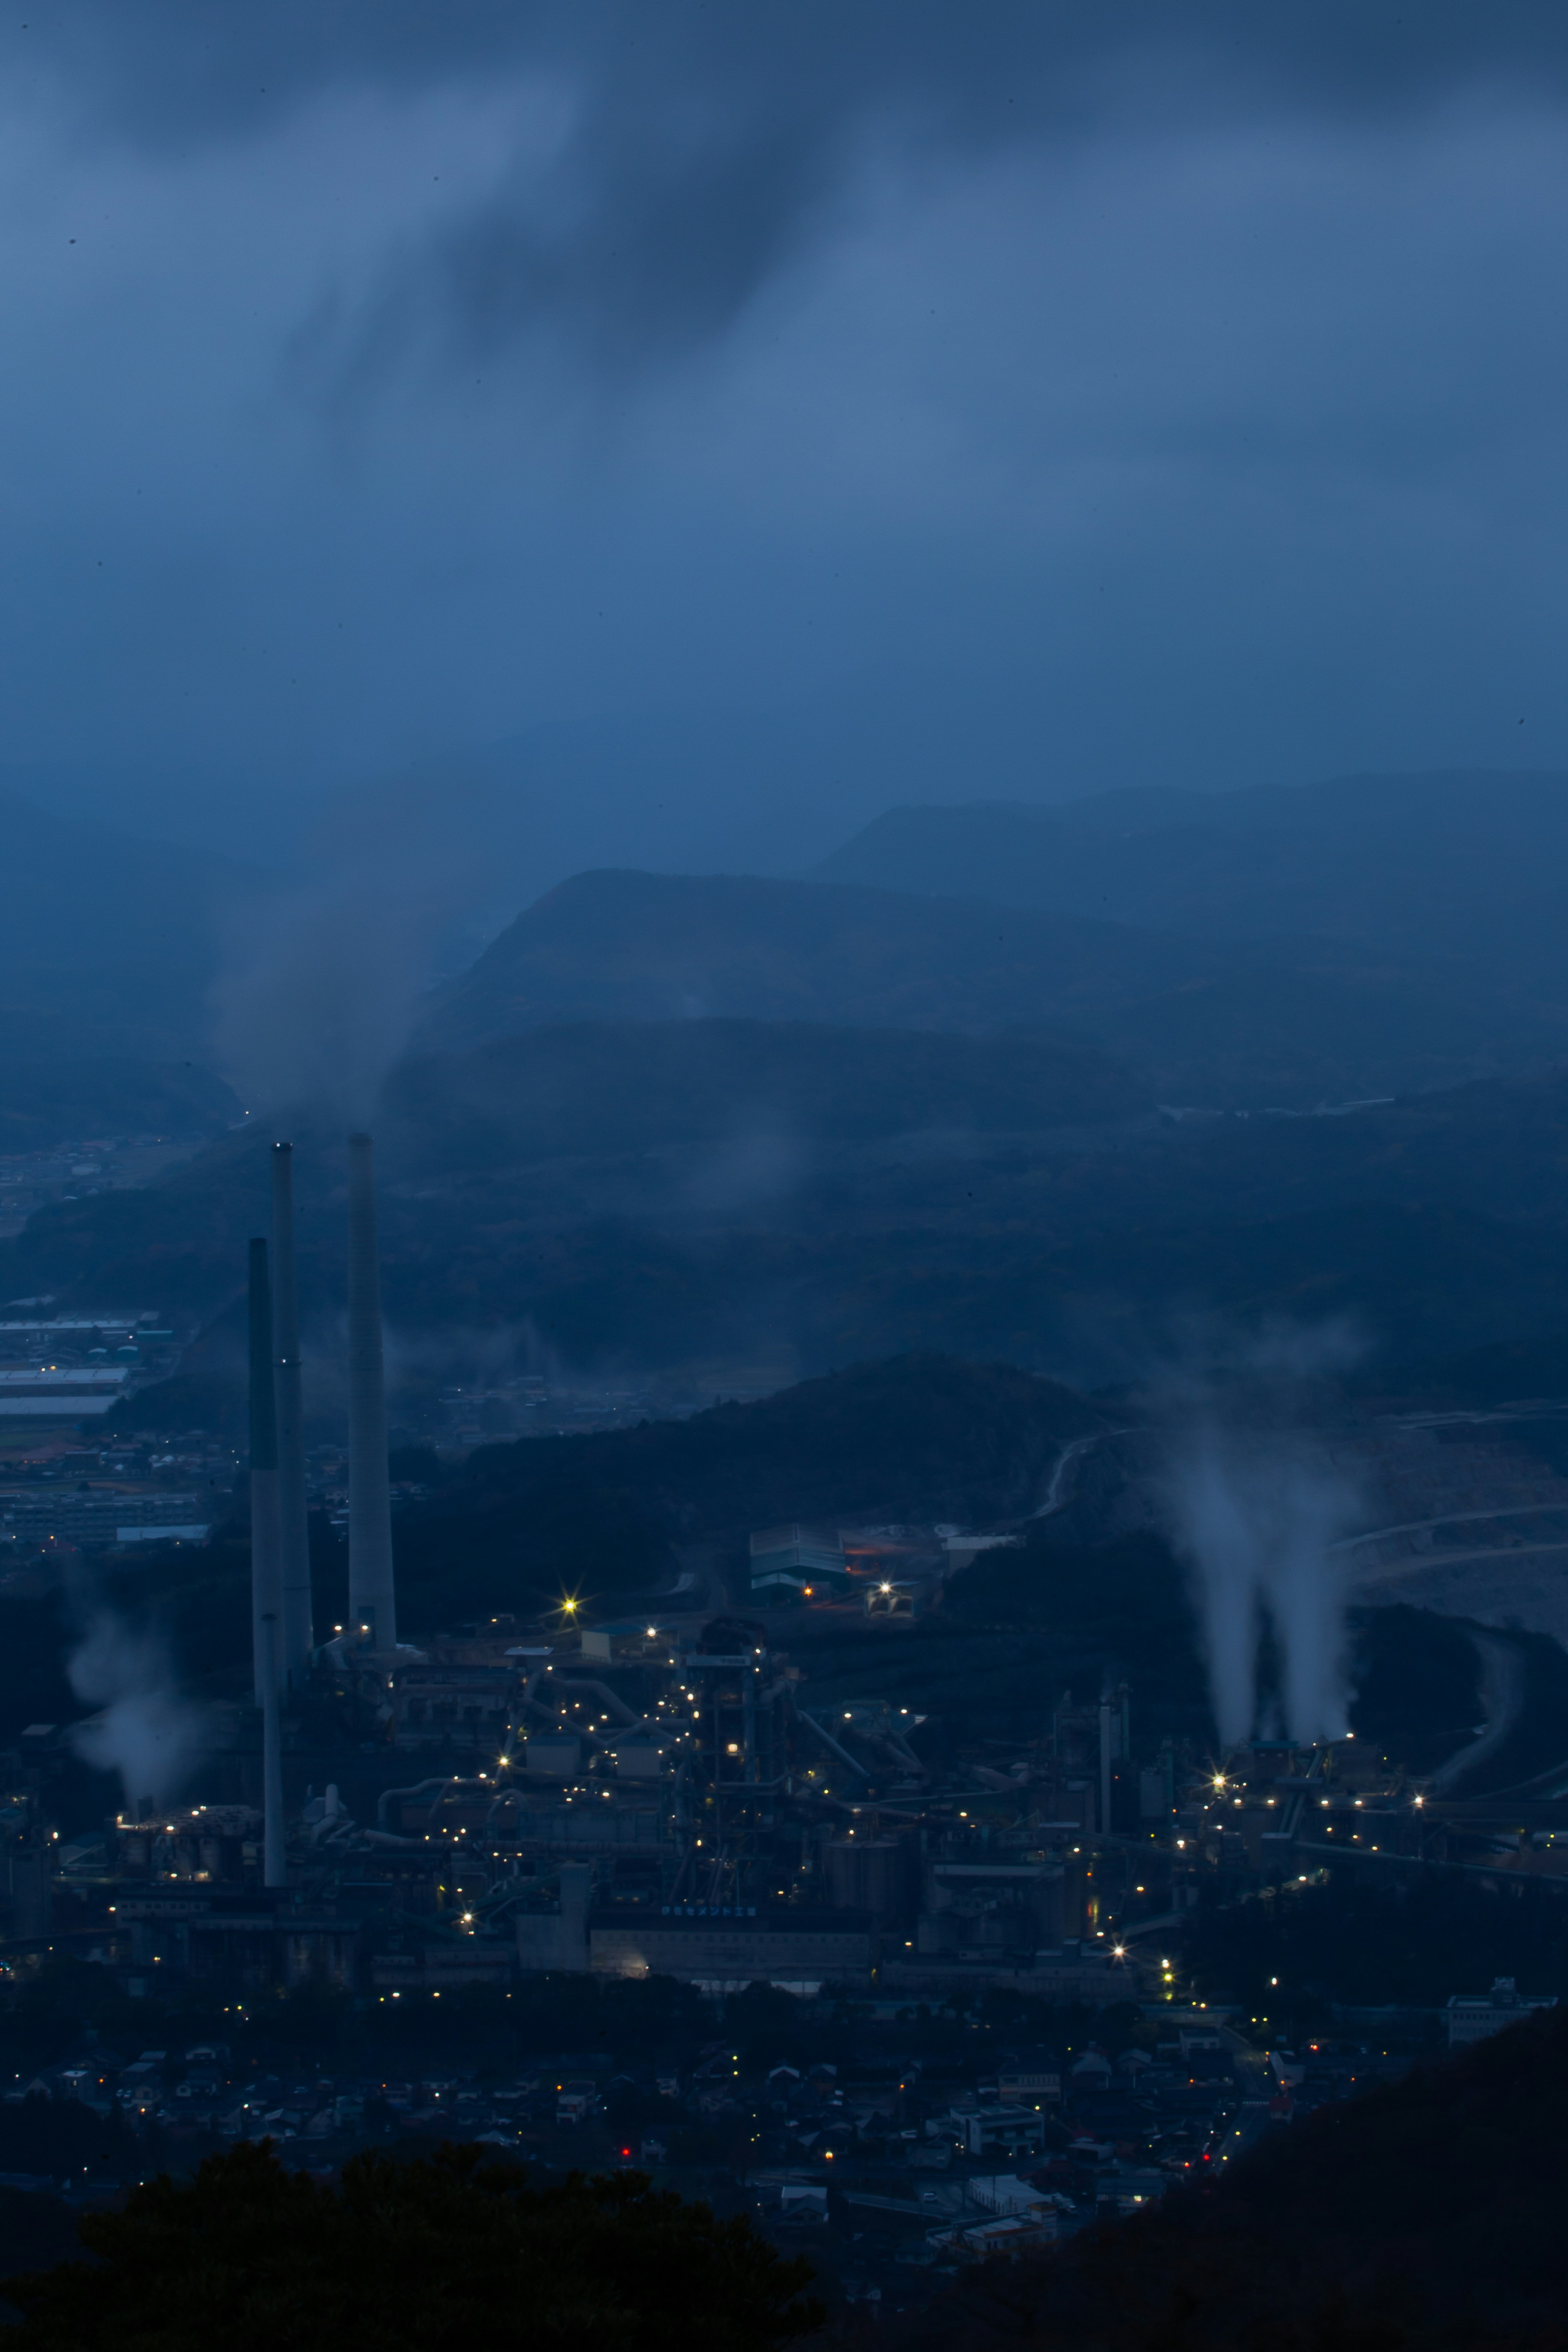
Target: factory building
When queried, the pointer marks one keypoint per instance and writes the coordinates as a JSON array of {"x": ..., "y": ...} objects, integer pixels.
[
  {"x": 797, "y": 1563},
  {"x": 725, "y": 1950},
  {"x": 1472, "y": 2017}
]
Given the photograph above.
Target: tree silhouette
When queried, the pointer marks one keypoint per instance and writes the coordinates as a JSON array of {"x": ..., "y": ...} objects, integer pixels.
[{"x": 428, "y": 2254}]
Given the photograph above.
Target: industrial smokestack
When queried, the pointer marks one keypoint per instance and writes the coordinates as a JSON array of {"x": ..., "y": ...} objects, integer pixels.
[
  {"x": 373, "y": 1610},
  {"x": 298, "y": 1631},
  {"x": 266, "y": 1568},
  {"x": 274, "y": 1859}
]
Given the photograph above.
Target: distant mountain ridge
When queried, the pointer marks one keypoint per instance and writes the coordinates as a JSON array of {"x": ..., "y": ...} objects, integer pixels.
[
  {"x": 1203, "y": 1018},
  {"x": 1429, "y": 865},
  {"x": 620, "y": 944}
]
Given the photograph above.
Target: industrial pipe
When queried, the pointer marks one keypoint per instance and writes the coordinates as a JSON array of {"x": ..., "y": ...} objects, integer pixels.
[
  {"x": 827, "y": 1737},
  {"x": 600, "y": 1690},
  {"x": 442, "y": 1780}
]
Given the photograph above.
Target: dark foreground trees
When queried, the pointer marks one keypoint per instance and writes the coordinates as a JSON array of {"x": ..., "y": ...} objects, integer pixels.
[{"x": 423, "y": 2256}]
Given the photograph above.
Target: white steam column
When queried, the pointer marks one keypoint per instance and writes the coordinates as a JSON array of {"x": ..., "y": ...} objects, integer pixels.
[
  {"x": 296, "y": 1626},
  {"x": 373, "y": 1610},
  {"x": 266, "y": 1566}
]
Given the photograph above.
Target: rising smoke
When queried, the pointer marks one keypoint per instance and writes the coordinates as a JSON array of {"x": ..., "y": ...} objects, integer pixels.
[
  {"x": 321, "y": 985},
  {"x": 1256, "y": 1507},
  {"x": 1256, "y": 1517},
  {"x": 143, "y": 1729}
]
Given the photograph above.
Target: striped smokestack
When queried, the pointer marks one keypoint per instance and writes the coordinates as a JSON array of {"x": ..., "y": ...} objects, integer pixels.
[
  {"x": 266, "y": 1568},
  {"x": 295, "y": 1625},
  {"x": 373, "y": 1609}
]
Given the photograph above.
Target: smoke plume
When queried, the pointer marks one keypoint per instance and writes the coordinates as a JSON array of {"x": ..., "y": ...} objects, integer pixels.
[
  {"x": 321, "y": 985},
  {"x": 1256, "y": 1505},
  {"x": 143, "y": 1730},
  {"x": 1256, "y": 1514}
]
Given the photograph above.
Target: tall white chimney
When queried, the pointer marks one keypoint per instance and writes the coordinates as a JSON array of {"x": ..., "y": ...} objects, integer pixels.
[
  {"x": 373, "y": 1608},
  {"x": 295, "y": 1625},
  {"x": 266, "y": 1567}
]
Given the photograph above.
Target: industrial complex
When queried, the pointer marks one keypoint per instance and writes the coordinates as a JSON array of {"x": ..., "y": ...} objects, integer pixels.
[{"x": 663, "y": 1793}]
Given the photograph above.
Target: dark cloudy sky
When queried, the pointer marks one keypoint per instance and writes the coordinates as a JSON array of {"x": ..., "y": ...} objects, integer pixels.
[{"x": 1062, "y": 395}]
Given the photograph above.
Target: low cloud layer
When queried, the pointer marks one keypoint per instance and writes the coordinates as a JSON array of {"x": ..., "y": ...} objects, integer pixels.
[{"x": 1174, "y": 382}]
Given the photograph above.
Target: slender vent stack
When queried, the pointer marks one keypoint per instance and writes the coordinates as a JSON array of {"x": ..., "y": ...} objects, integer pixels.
[
  {"x": 297, "y": 1627},
  {"x": 373, "y": 1610},
  {"x": 266, "y": 1566}
]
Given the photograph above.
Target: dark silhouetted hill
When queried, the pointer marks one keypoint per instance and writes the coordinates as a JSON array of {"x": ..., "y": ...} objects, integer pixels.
[
  {"x": 1088, "y": 1259},
  {"x": 1418, "y": 2216},
  {"x": 612, "y": 1088},
  {"x": 921, "y": 1438}
]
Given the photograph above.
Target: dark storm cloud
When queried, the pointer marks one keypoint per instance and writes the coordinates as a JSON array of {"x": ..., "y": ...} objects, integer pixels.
[
  {"x": 706, "y": 143},
  {"x": 173, "y": 68},
  {"x": 777, "y": 410}
]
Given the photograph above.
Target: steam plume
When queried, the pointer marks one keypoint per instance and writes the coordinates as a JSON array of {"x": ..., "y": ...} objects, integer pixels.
[
  {"x": 144, "y": 1730},
  {"x": 1256, "y": 1513}
]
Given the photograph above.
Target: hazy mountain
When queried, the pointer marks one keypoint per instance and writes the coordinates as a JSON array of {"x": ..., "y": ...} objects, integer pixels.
[
  {"x": 599, "y": 1087},
  {"x": 1205, "y": 1019},
  {"x": 648, "y": 946},
  {"x": 671, "y": 1194},
  {"x": 1423, "y": 864},
  {"x": 695, "y": 1121}
]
